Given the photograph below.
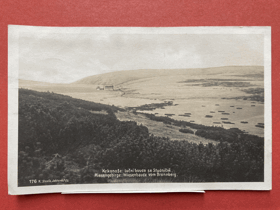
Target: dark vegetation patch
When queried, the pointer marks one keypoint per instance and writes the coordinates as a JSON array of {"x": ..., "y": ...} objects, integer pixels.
[
  {"x": 227, "y": 122},
  {"x": 214, "y": 80},
  {"x": 184, "y": 115},
  {"x": 153, "y": 106},
  {"x": 218, "y": 82},
  {"x": 59, "y": 138},
  {"x": 169, "y": 114},
  {"x": 53, "y": 99},
  {"x": 257, "y": 94},
  {"x": 185, "y": 130},
  {"x": 227, "y": 84},
  {"x": 254, "y": 90},
  {"x": 260, "y": 125}
]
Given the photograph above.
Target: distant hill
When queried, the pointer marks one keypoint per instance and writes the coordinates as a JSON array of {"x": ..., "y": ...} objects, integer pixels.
[
  {"x": 121, "y": 77},
  {"x": 26, "y": 83}
]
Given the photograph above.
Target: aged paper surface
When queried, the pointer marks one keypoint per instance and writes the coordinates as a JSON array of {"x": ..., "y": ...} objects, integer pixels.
[{"x": 116, "y": 109}]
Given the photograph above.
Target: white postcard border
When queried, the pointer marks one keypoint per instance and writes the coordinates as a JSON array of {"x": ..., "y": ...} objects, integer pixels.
[{"x": 13, "y": 68}]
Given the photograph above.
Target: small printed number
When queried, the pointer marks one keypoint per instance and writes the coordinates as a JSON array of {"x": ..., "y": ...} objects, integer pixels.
[{"x": 33, "y": 181}]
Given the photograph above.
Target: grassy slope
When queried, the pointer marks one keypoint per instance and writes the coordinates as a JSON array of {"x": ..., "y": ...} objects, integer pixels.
[
  {"x": 121, "y": 77},
  {"x": 161, "y": 129}
]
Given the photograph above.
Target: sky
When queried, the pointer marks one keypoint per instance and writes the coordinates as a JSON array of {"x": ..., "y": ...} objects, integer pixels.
[{"x": 65, "y": 58}]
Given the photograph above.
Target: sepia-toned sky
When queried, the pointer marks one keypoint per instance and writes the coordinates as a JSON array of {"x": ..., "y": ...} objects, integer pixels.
[{"x": 60, "y": 58}]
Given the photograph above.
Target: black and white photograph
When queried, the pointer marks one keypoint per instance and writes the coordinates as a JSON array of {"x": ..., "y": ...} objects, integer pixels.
[{"x": 139, "y": 109}]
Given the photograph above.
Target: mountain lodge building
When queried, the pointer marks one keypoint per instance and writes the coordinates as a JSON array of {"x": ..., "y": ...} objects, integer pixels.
[
  {"x": 105, "y": 87},
  {"x": 108, "y": 87}
]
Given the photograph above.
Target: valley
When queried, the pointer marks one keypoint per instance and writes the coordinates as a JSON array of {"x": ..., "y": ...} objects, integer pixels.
[{"x": 237, "y": 91}]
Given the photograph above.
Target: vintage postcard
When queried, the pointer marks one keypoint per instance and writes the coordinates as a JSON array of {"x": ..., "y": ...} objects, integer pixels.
[{"x": 131, "y": 109}]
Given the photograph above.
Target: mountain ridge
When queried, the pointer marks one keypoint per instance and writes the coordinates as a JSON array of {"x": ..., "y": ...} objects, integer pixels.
[
  {"x": 121, "y": 77},
  {"x": 124, "y": 76}
]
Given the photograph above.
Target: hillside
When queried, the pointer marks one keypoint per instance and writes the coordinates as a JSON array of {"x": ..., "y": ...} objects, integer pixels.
[
  {"x": 121, "y": 77},
  {"x": 67, "y": 141},
  {"x": 140, "y": 87}
]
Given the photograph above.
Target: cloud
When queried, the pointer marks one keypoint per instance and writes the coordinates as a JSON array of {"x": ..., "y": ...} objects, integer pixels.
[{"x": 63, "y": 58}]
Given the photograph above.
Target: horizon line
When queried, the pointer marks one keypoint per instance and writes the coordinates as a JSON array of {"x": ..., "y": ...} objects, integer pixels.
[{"x": 142, "y": 69}]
